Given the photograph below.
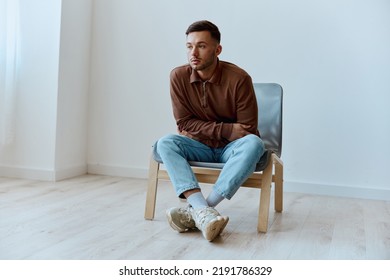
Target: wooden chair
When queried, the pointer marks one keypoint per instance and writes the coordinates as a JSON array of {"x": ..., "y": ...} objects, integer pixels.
[{"x": 269, "y": 169}]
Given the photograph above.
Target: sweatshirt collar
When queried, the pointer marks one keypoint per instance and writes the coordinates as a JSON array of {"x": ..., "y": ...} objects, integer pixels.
[{"x": 215, "y": 78}]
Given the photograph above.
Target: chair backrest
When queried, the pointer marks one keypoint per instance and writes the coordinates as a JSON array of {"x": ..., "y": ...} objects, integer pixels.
[{"x": 270, "y": 103}]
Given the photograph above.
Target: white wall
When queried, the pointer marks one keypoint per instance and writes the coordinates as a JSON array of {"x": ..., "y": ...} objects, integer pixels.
[
  {"x": 32, "y": 152},
  {"x": 331, "y": 57},
  {"x": 129, "y": 105},
  {"x": 3, "y": 60},
  {"x": 72, "y": 105},
  {"x": 51, "y": 105}
]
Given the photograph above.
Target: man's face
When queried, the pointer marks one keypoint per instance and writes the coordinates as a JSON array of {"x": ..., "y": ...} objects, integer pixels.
[{"x": 202, "y": 50}]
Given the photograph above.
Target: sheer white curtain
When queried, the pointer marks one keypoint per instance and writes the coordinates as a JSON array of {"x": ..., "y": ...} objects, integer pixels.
[{"x": 10, "y": 63}]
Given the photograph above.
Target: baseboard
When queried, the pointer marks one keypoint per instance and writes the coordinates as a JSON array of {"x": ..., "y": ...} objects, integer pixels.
[
  {"x": 23, "y": 172},
  {"x": 28, "y": 173},
  {"x": 70, "y": 172},
  {"x": 337, "y": 190},
  {"x": 117, "y": 170}
]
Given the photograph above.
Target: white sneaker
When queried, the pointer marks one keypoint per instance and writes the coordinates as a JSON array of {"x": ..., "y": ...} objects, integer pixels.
[
  {"x": 209, "y": 221},
  {"x": 180, "y": 219}
]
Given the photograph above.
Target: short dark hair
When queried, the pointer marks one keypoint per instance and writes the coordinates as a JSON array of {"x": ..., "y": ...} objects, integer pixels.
[{"x": 204, "y": 25}]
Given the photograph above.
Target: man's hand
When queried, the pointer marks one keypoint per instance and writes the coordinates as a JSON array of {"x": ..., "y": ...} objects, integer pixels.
[{"x": 239, "y": 130}]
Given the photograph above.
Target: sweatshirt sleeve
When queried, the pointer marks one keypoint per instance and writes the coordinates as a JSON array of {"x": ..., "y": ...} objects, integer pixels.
[{"x": 247, "y": 111}]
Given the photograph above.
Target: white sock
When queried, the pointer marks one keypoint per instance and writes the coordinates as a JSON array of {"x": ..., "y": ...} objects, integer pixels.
[
  {"x": 214, "y": 199},
  {"x": 197, "y": 200}
]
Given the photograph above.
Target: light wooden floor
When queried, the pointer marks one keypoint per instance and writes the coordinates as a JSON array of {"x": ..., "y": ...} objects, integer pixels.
[{"x": 101, "y": 217}]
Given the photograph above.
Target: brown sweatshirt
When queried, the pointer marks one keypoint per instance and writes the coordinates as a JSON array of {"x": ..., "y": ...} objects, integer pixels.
[{"x": 206, "y": 111}]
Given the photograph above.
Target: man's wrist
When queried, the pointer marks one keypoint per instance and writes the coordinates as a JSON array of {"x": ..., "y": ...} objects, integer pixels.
[{"x": 227, "y": 129}]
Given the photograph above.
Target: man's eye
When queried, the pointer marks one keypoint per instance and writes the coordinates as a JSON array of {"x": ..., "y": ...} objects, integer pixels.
[{"x": 202, "y": 46}]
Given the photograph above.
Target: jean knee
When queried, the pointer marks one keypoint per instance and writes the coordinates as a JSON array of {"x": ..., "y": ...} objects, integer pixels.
[
  {"x": 165, "y": 143},
  {"x": 166, "y": 140},
  {"x": 255, "y": 141},
  {"x": 255, "y": 144}
]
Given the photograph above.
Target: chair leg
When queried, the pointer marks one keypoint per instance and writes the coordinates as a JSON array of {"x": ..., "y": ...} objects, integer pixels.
[
  {"x": 152, "y": 189},
  {"x": 265, "y": 197},
  {"x": 278, "y": 184}
]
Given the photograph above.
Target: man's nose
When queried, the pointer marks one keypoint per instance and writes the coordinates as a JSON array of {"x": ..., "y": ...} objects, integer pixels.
[{"x": 194, "y": 52}]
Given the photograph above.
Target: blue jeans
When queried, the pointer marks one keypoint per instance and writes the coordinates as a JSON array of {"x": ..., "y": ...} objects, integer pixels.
[{"x": 240, "y": 158}]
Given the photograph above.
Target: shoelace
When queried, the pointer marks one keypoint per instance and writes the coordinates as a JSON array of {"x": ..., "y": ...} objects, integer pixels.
[
  {"x": 203, "y": 214},
  {"x": 186, "y": 213}
]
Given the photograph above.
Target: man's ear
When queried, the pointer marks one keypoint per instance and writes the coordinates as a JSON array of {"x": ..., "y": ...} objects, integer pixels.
[{"x": 218, "y": 50}]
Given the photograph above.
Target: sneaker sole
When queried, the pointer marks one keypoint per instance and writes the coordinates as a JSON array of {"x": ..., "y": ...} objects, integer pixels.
[{"x": 215, "y": 227}]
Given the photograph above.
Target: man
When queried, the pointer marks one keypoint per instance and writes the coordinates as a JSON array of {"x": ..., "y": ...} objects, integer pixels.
[{"x": 215, "y": 108}]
